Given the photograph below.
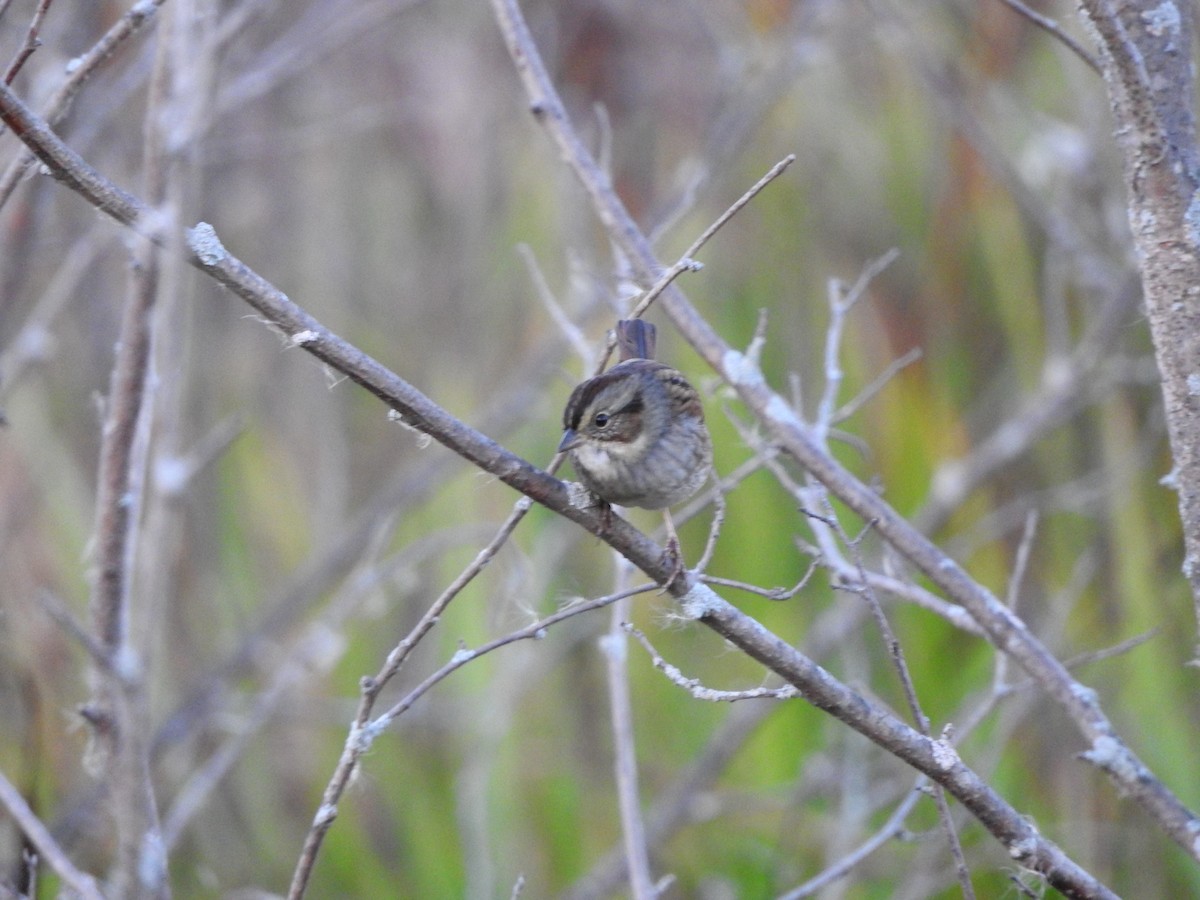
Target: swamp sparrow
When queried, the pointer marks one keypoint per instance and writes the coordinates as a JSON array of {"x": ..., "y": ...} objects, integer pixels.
[{"x": 636, "y": 433}]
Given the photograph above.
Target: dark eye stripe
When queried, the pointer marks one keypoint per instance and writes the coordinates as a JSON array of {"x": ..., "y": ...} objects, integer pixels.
[
  {"x": 585, "y": 394},
  {"x": 635, "y": 405}
]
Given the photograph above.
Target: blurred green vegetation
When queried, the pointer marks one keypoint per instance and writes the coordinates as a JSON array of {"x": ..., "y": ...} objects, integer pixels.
[{"x": 385, "y": 184}]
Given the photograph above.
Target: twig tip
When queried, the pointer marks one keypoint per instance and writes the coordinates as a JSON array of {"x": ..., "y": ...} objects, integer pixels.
[{"x": 202, "y": 240}]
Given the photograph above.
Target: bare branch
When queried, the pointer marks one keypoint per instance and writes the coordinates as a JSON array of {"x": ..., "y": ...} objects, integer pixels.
[
  {"x": 672, "y": 809},
  {"x": 779, "y": 593},
  {"x": 615, "y": 648},
  {"x": 32, "y": 41},
  {"x": 886, "y": 832},
  {"x": 1067, "y": 384},
  {"x": 698, "y": 690},
  {"x": 714, "y": 528},
  {"x": 54, "y": 607},
  {"x": 1054, "y": 30},
  {"x": 371, "y": 687},
  {"x": 572, "y": 334},
  {"x": 79, "y": 71},
  {"x": 877, "y": 384},
  {"x": 686, "y": 262},
  {"x": 900, "y": 664},
  {"x": 306, "y": 655},
  {"x": 1024, "y": 549},
  {"x": 841, "y": 301},
  {"x": 39, "y": 835}
]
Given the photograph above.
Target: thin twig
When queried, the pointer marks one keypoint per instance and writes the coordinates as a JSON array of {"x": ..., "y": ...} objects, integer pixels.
[
  {"x": 900, "y": 664},
  {"x": 314, "y": 35},
  {"x": 1118, "y": 649},
  {"x": 774, "y": 172},
  {"x": 1066, "y": 384},
  {"x": 700, "y": 691},
  {"x": 570, "y": 331},
  {"x": 886, "y": 832},
  {"x": 33, "y": 339},
  {"x": 371, "y": 688},
  {"x": 841, "y": 302},
  {"x": 32, "y": 41},
  {"x": 714, "y": 528},
  {"x": 39, "y": 835},
  {"x": 906, "y": 590},
  {"x": 687, "y": 262},
  {"x": 1055, "y": 30},
  {"x": 79, "y": 71},
  {"x": 307, "y": 653},
  {"x": 1022, "y": 888},
  {"x": 535, "y": 631},
  {"x": 615, "y": 648},
  {"x": 778, "y": 593},
  {"x": 57, "y": 610},
  {"x": 1024, "y": 549},
  {"x": 855, "y": 403}
]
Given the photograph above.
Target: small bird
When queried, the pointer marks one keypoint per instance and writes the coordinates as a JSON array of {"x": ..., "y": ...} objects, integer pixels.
[{"x": 636, "y": 433}]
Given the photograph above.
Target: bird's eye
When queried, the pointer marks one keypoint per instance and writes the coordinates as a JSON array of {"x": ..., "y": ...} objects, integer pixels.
[{"x": 601, "y": 420}]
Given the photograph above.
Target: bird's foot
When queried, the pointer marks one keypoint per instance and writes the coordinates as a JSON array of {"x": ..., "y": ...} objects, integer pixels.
[{"x": 673, "y": 557}]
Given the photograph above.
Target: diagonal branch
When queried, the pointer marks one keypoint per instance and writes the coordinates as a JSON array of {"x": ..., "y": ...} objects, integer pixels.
[
  {"x": 32, "y": 41},
  {"x": 80, "y": 70},
  {"x": 39, "y": 835}
]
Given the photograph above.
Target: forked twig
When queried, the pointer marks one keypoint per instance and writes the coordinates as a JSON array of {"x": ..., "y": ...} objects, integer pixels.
[
  {"x": 778, "y": 593},
  {"x": 687, "y": 262},
  {"x": 31, "y": 43},
  {"x": 371, "y": 687},
  {"x": 80, "y": 70},
  {"x": 697, "y": 689}
]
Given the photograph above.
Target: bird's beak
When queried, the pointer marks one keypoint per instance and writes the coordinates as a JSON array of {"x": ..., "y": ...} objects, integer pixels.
[{"x": 570, "y": 440}]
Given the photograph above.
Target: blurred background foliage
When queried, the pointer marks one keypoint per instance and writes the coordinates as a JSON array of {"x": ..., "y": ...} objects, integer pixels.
[{"x": 378, "y": 162}]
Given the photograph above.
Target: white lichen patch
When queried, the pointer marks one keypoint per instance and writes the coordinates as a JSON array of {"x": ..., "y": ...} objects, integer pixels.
[
  {"x": 740, "y": 370},
  {"x": 699, "y": 601},
  {"x": 1162, "y": 19},
  {"x": 944, "y": 755},
  {"x": 203, "y": 241},
  {"x": 579, "y": 496},
  {"x": 300, "y": 338},
  {"x": 777, "y": 410}
]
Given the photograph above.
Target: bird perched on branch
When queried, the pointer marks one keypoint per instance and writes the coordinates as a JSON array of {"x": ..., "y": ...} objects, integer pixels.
[{"x": 636, "y": 434}]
